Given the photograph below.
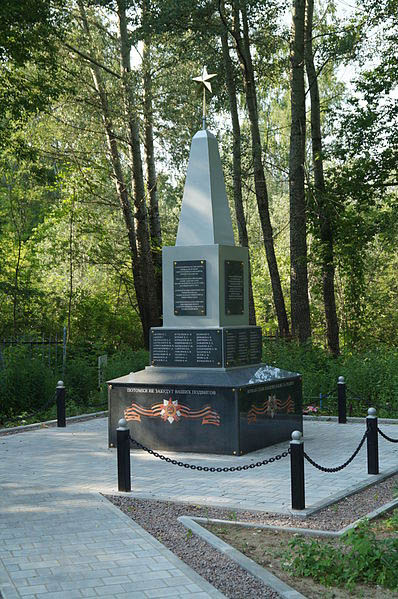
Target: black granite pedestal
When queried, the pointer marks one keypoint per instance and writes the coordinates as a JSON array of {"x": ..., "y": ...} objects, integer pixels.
[{"x": 227, "y": 411}]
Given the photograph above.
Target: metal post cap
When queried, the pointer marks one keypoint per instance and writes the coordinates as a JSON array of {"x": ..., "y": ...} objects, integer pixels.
[
  {"x": 122, "y": 425},
  {"x": 60, "y": 384},
  {"x": 296, "y": 437},
  {"x": 372, "y": 412},
  {"x": 340, "y": 380}
]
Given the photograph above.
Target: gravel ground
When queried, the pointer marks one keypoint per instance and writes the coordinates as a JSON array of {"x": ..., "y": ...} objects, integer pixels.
[{"x": 160, "y": 519}]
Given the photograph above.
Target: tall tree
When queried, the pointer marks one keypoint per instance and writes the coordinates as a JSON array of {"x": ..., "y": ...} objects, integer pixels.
[
  {"x": 240, "y": 34},
  {"x": 236, "y": 159},
  {"x": 300, "y": 308},
  {"x": 150, "y": 301},
  {"x": 138, "y": 234},
  {"x": 151, "y": 177},
  {"x": 29, "y": 33},
  {"x": 319, "y": 191}
]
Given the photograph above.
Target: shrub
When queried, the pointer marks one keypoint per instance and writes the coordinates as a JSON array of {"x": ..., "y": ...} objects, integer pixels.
[
  {"x": 26, "y": 384},
  {"x": 371, "y": 375},
  {"x": 358, "y": 558}
]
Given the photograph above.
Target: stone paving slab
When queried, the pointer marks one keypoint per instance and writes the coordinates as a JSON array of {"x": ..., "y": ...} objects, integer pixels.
[
  {"x": 60, "y": 539},
  {"x": 62, "y": 544}
]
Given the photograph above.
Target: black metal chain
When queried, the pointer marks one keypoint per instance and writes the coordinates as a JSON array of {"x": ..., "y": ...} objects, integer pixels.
[
  {"x": 353, "y": 395},
  {"x": 320, "y": 396},
  {"x": 387, "y": 437},
  {"x": 327, "y": 395},
  {"x": 208, "y": 468},
  {"x": 338, "y": 468}
]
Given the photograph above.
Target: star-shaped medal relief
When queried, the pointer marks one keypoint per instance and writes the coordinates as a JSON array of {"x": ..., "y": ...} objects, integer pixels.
[{"x": 204, "y": 79}]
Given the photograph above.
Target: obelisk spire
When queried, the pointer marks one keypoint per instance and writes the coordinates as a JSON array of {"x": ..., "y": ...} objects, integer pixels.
[
  {"x": 204, "y": 80},
  {"x": 205, "y": 218}
]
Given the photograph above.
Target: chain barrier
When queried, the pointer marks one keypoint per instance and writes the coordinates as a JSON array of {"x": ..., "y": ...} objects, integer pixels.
[
  {"x": 208, "y": 468},
  {"x": 387, "y": 437},
  {"x": 338, "y": 468},
  {"x": 355, "y": 396}
]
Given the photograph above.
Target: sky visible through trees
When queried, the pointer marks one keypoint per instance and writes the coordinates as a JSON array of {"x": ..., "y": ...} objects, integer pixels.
[{"x": 94, "y": 142}]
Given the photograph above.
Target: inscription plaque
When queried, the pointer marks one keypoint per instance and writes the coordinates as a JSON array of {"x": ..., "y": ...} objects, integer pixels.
[
  {"x": 190, "y": 288},
  {"x": 195, "y": 348},
  {"x": 234, "y": 287},
  {"x": 242, "y": 346}
]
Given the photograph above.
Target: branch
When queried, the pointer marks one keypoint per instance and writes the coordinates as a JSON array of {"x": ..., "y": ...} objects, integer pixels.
[
  {"x": 235, "y": 36},
  {"x": 91, "y": 60}
]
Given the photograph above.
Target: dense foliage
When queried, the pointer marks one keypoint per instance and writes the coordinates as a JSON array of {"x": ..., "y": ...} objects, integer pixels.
[
  {"x": 359, "y": 558},
  {"x": 98, "y": 110}
]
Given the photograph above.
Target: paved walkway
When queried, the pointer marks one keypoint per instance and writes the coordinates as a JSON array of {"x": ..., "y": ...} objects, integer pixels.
[{"x": 59, "y": 539}]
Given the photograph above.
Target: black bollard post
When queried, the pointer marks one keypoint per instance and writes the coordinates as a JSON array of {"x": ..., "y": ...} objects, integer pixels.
[
  {"x": 342, "y": 400},
  {"x": 297, "y": 471},
  {"x": 60, "y": 401},
  {"x": 123, "y": 456},
  {"x": 373, "y": 442}
]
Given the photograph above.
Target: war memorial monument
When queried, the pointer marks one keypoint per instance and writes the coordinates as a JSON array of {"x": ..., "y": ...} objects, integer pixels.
[{"x": 206, "y": 389}]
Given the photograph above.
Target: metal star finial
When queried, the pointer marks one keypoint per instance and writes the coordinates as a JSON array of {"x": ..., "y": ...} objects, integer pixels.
[{"x": 204, "y": 80}]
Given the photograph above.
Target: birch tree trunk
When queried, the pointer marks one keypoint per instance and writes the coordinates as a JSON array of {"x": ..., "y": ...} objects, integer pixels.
[
  {"x": 300, "y": 308},
  {"x": 121, "y": 187},
  {"x": 325, "y": 227},
  {"x": 148, "y": 279},
  {"x": 244, "y": 54},
  {"x": 236, "y": 159},
  {"x": 151, "y": 179}
]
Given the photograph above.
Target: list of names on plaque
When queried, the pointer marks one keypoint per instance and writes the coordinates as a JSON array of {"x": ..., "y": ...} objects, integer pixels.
[
  {"x": 255, "y": 345},
  {"x": 242, "y": 346},
  {"x": 183, "y": 347},
  {"x": 190, "y": 288},
  {"x": 162, "y": 347},
  {"x": 193, "y": 348},
  {"x": 234, "y": 287},
  {"x": 208, "y": 348}
]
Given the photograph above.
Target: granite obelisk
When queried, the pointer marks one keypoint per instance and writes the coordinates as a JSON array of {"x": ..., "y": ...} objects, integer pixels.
[{"x": 206, "y": 389}]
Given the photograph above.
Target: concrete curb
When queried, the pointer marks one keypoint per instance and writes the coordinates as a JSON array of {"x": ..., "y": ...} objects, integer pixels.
[
  {"x": 83, "y": 417},
  {"x": 299, "y": 514},
  {"x": 269, "y": 579},
  {"x": 320, "y": 505},
  {"x": 193, "y": 523},
  {"x": 13, "y": 430},
  {"x": 310, "y": 532},
  {"x": 350, "y": 419}
]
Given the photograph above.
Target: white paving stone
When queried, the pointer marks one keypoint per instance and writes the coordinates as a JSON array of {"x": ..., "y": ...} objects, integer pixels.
[{"x": 60, "y": 539}]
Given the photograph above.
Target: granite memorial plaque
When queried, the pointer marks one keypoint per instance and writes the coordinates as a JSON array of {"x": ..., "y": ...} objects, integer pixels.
[
  {"x": 194, "y": 348},
  {"x": 255, "y": 345},
  {"x": 242, "y": 346},
  {"x": 190, "y": 288},
  {"x": 234, "y": 287}
]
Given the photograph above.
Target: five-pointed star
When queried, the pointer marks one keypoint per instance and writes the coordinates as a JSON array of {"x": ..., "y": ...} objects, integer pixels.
[{"x": 204, "y": 78}]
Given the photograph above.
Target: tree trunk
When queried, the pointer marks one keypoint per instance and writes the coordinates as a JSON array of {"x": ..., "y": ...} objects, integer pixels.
[
  {"x": 151, "y": 304},
  {"x": 243, "y": 51},
  {"x": 71, "y": 265},
  {"x": 236, "y": 159},
  {"x": 325, "y": 228},
  {"x": 300, "y": 309},
  {"x": 151, "y": 179},
  {"x": 121, "y": 188}
]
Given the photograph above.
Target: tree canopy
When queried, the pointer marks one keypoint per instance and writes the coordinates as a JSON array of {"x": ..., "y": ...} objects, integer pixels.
[{"x": 98, "y": 109}]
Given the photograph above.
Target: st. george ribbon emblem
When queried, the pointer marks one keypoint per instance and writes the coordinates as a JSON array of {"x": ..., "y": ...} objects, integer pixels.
[
  {"x": 171, "y": 411},
  {"x": 270, "y": 407}
]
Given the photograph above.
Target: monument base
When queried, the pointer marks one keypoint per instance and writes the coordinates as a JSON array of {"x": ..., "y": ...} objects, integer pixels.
[{"x": 227, "y": 411}]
